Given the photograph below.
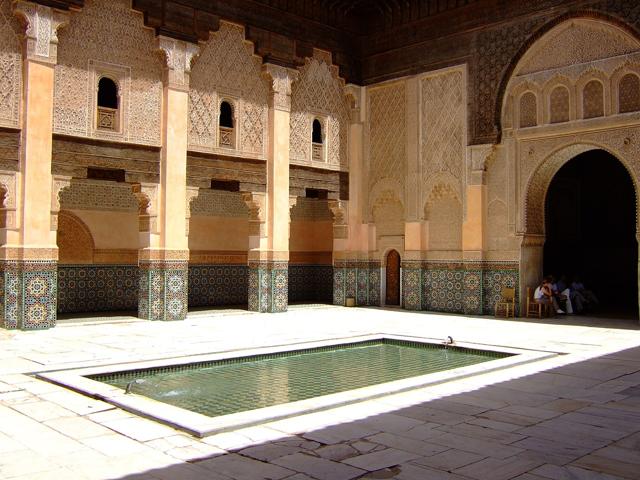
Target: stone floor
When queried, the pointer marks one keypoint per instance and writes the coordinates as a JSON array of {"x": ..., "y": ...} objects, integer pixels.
[{"x": 575, "y": 416}]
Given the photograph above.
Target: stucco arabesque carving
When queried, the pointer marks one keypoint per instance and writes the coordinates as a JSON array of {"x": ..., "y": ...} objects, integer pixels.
[
  {"x": 41, "y": 30},
  {"x": 319, "y": 93},
  {"x": 147, "y": 196},
  {"x": 59, "y": 183},
  {"x": 281, "y": 80},
  {"x": 178, "y": 56},
  {"x": 257, "y": 204}
]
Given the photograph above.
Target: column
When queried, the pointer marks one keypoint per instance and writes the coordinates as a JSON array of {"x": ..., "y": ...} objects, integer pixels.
[
  {"x": 474, "y": 229},
  {"x": 164, "y": 255},
  {"x": 29, "y": 258},
  {"x": 269, "y": 255}
]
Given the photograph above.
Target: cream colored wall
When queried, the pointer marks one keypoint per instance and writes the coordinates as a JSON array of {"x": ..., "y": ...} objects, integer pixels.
[
  {"x": 219, "y": 233},
  {"x": 311, "y": 236},
  {"x": 111, "y": 230}
]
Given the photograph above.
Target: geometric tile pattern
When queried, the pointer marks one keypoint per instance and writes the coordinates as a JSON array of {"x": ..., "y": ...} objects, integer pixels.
[
  {"x": 28, "y": 294},
  {"x": 97, "y": 288},
  {"x": 359, "y": 279},
  {"x": 471, "y": 288},
  {"x": 310, "y": 283},
  {"x": 268, "y": 289},
  {"x": 163, "y": 287},
  {"x": 211, "y": 285}
]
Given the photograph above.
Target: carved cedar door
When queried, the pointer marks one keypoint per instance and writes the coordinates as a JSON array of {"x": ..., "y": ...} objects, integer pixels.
[{"x": 393, "y": 278}]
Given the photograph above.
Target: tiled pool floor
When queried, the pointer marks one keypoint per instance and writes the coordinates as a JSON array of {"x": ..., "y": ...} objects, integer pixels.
[{"x": 573, "y": 416}]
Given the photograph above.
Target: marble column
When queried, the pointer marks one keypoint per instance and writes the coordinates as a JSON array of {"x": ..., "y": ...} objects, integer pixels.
[
  {"x": 164, "y": 256},
  {"x": 29, "y": 258},
  {"x": 269, "y": 258}
]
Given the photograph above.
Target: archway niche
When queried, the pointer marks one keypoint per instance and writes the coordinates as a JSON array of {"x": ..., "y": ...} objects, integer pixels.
[
  {"x": 590, "y": 229},
  {"x": 580, "y": 219},
  {"x": 392, "y": 283}
]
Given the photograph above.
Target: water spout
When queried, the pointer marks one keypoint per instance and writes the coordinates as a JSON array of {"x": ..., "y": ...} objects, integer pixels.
[{"x": 130, "y": 385}]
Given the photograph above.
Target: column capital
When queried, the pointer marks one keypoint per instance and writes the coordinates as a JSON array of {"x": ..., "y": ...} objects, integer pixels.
[
  {"x": 339, "y": 211},
  {"x": 480, "y": 157},
  {"x": 257, "y": 204},
  {"x": 281, "y": 80},
  {"x": 58, "y": 184},
  {"x": 178, "y": 58},
  {"x": 41, "y": 30},
  {"x": 191, "y": 194},
  {"x": 354, "y": 94}
]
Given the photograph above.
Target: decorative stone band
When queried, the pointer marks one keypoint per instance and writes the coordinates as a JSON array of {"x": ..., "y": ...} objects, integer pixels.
[
  {"x": 28, "y": 294},
  {"x": 163, "y": 289},
  {"x": 268, "y": 287},
  {"x": 29, "y": 254},
  {"x": 156, "y": 255},
  {"x": 357, "y": 279},
  {"x": 457, "y": 287}
]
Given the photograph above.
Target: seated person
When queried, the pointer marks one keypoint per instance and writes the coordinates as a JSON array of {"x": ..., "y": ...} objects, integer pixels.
[
  {"x": 544, "y": 295},
  {"x": 588, "y": 297},
  {"x": 563, "y": 293}
]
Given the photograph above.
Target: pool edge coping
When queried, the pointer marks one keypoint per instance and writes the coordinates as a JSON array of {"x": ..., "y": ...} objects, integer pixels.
[{"x": 201, "y": 425}]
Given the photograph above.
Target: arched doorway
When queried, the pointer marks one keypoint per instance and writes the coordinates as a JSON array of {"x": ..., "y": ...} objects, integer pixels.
[
  {"x": 590, "y": 229},
  {"x": 393, "y": 278}
]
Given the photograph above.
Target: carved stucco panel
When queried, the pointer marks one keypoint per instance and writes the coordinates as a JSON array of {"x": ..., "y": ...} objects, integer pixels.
[
  {"x": 576, "y": 42},
  {"x": 387, "y": 136},
  {"x": 443, "y": 139},
  {"x": 227, "y": 66},
  {"x": 10, "y": 67},
  {"x": 319, "y": 91},
  {"x": 108, "y": 32}
]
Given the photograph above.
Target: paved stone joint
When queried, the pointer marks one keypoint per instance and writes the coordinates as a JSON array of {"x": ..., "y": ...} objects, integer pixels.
[{"x": 576, "y": 416}]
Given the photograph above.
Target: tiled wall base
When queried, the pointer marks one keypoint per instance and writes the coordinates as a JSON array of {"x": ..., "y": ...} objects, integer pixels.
[
  {"x": 359, "y": 280},
  {"x": 97, "y": 288},
  {"x": 268, "y": 286},
  {"x": 28, "y": 294},
  {"x": 311, "y": 283},
  {"x": 457, "y": 287},
  {"x": 211, "y": 285},
  {"x": 163, "y": 287}
]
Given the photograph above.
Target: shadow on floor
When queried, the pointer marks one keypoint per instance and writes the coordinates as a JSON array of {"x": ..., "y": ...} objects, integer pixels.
[{"x": 576, "y": 421}]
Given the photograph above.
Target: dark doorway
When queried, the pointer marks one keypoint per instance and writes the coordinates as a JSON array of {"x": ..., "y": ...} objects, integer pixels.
[
  {"x": 393, "y": 278},
  {"x": 590, "y": 220}
]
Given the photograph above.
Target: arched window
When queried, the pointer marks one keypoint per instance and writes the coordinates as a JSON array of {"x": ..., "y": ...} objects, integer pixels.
[
  {"x": 528, "y": 110},
  {"x": 317, "y": 149},
  {"x": 593, "y": 100},
  {"x": 107, "y": 104},
  {"x": 559, "y": 105},
  {"x": 629, "y": 93},
  {"x": 227, "y": 137},
  {"x": 316, "y": 134}
]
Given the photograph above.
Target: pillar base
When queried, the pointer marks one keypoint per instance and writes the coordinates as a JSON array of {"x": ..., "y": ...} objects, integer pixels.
[
  {"x": 28, "y": 294},
  {"x": 268, "y": 286},
  {"x": 163, "y": 288},
  {"x": 359, "y": 279},
  {"x": 412, "y": 285}
]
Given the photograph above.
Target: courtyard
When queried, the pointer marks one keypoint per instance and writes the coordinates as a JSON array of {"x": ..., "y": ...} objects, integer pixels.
[{"x": 575, "y": 415}]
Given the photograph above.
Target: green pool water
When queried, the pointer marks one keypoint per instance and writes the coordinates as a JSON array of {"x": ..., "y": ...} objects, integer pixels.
[{"x": 240, "y": 384}]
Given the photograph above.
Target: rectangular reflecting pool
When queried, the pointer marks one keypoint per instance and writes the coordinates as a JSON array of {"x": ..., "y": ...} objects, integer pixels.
[
  {"x": 217, "y": 392},
  {"x": 235, "y": 385}
]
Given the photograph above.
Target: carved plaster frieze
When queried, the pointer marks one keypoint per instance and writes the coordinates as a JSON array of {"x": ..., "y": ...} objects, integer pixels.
[
  {"x": 281, "y": 80},
  {"x": 41, "y": 32},
  {"x": 178, "y": 55}
]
